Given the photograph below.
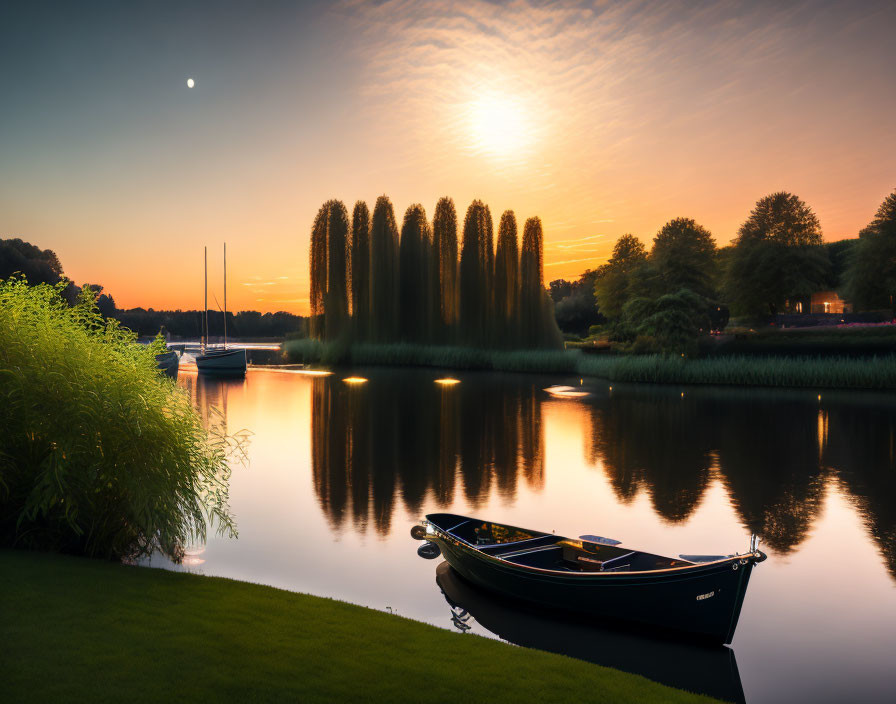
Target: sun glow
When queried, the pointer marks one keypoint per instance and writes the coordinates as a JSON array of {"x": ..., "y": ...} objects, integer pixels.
[{"x": 499, "y": 125}]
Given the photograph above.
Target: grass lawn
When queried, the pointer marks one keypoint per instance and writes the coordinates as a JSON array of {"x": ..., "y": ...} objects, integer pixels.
[{"x": 73, "y": 629}]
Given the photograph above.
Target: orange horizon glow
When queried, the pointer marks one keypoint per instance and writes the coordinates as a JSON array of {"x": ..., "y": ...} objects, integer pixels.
[{"x": 601, "y": 120}]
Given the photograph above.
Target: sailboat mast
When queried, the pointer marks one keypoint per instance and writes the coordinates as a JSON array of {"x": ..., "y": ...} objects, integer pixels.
[
  {"x": 225, "y": 295},
  {"x": 205, "y": 316}
]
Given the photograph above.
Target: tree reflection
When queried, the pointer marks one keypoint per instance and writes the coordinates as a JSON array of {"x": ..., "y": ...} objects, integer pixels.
[
  {"x": 402, "y": 434},
  {"x": 403, "y": 437}
]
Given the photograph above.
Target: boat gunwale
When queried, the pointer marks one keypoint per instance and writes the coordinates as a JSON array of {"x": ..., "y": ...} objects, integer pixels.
[{"x": 740, "y": 558}]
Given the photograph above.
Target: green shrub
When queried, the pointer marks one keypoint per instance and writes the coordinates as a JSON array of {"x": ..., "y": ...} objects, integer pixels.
[{"x": 100, "y": 455}]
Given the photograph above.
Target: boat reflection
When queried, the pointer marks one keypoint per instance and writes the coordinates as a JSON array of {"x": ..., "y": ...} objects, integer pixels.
[{"x": 704, "y": 670}]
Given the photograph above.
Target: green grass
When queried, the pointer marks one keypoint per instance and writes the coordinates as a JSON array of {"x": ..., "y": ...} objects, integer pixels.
[
  {"x": 74, "y": 629},
  {"x": 800, "y": 372}
]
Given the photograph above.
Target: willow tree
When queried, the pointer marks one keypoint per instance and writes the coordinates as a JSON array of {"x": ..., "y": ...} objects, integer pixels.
[
  {"x": 318, "y": 271},
  {"x": 415, "y": 276},
  {"x": 444, "y": 236},
  {"x": 329, "y": 273},
  {"x": 506, "y": 280},
  {"x": 338, "y": 257},
  {"x": 360, "y": 276},
  {"x": 537, "y": 324},
  {"x": 473, "y": 276},
  {"x": 489, "y": 299},
  {"x": 383, "y": 272}
]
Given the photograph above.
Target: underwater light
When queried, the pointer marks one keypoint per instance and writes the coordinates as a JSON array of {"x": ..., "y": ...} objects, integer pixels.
[
  {"x": 355, "y": 380},
  {"x": 447, "y": 381}
]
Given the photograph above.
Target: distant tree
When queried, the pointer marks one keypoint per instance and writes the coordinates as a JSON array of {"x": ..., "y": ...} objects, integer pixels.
[
  {"x": 383, "y": 272},
  {"x": 673, "y": 322},
  {"x": 611, "y": 285},
  {"x": 777, "y": 256},
  {"x": 560, "y": 289},
  {"x": 40, "y": 266},
  {"x": 506, "y": 281},
  {"x": 474, "y": 278},
  {"x": 490, "y": 317},
  {"x": 683, "y": 256},
  {"x": 839, "y": 254},
  {"x": 360, "y": 275},
  {"x": 415, "y": 275},
  {"x": 444, "y": 231},
  {"x": 575, "y": 306},
  {"x": 870, "y": 278},
  {"x": 537, "y": 324}
]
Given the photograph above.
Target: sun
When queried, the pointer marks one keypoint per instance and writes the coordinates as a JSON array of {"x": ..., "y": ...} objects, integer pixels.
[{"x": 499, "y": 125}]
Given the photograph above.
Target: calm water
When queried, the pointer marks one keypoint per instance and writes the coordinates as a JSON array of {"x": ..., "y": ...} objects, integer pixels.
[{"x": 338, "y": 473}]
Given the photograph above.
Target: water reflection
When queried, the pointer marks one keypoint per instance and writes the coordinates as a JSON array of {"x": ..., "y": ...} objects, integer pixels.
[
  {"x": 703, "y": 670},
  {"x": 401, "y": 434},
  {"x": 402, "y": 437}
]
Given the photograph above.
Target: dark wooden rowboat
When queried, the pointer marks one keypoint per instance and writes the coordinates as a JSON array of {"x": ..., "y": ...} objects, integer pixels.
[{"x": 696, "y": 595}]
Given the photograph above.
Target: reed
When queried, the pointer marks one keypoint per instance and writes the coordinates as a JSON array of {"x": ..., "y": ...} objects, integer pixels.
[
  {"x": 100, "y": 455},
  {"x": 802, "y": 372}
]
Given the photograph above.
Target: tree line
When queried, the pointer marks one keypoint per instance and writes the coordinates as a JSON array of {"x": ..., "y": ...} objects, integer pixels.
[
  {"x": 685, "y": 284},
  {"x": 372, "y": 283}
]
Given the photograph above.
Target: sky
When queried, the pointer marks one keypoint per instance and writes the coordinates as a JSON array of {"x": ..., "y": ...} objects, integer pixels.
[{"x": 601, "y": 118}]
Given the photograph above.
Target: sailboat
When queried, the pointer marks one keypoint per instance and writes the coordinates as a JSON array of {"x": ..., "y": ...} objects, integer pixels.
[{"x": 220, "y": 362}]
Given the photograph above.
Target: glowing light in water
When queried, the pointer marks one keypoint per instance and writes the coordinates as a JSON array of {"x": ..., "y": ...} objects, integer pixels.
[
  {"x": 447, "y": 381},
  {"x": 355, "y": 380}
]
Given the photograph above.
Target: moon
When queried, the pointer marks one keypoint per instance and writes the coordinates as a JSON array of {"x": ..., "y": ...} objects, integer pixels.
[{"x": 190, "y": 83}]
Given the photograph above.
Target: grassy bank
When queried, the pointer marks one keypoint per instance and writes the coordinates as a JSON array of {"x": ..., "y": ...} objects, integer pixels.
[
  {"x": 83, "y": 630},
  {"x": 803, "y": 371}
]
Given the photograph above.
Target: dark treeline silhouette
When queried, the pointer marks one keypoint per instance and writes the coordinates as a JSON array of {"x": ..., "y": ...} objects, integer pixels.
[
  {"x": 42, "y": 266},
  {"x": 401, "y": 437},
  {"x": 187, "y": 324},
  {"x": 421, "y": 285},
  {"x": 402, "y": 434}
]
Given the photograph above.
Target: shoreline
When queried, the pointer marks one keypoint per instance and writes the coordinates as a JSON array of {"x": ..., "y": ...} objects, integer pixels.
[
  {"x": 815, "y": 372},
  {"x": 89, "y": 630}
]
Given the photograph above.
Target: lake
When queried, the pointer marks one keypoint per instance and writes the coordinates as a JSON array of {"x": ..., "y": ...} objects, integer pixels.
[{"x": 338, "y": 472}]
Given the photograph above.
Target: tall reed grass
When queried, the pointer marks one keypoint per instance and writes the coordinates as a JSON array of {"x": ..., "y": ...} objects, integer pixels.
[
  {"x": 99, "y": 455},
  {"x": 803, "y": 371}
]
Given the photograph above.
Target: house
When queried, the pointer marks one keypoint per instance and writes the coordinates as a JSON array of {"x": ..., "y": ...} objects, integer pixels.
[{"x": 828, "y": 302}]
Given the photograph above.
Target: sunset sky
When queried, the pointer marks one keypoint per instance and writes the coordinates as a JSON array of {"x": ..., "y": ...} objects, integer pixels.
[{"x": 601, "y": 118}]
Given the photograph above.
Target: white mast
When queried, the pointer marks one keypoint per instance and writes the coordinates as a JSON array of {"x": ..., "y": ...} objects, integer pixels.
[
  {"x": 205, "y": 317},
  {"x": 225, "y": 295}
]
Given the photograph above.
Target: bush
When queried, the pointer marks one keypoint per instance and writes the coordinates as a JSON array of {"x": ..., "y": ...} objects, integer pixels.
[{"x": 100, "y": 455}]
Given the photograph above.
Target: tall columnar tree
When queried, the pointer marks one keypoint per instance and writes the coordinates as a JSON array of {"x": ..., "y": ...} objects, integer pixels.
[
  {"x": 777, "y": 256},
  {"x": 318, "y": 271},
  {"x": 489, "y": 300},
  {"x": 612, "y": 285},
  {"x": 383, "y": 272},
  {"x": 506, "y": 281},
  {"x": 338, "y": 258},
  {"x": 684, "y": 256},
  {"x": 536, "y": 312},
  {"x": 473, "y": 276},
  {"x": 360, "y": 277},
  {"x": 329, "y": 275},
  {"x": 415, "y": 276},
  {"x": 444, "y": 233},
  {"x": 870, "y": 278}
]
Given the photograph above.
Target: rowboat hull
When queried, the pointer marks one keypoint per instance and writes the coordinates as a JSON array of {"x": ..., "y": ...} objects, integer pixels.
[
  {"x": 695, "y": 667},
  {"x": 168, "y": 363},
  {"x": 701, "y": 600},
  {"x": 223, "y": 363}
]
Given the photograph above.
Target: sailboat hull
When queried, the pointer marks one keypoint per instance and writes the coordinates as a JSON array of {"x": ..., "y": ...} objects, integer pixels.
[{"x": 222, "y": 363}]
